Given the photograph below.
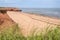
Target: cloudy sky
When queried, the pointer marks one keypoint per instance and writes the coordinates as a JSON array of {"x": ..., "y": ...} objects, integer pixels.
[{"x": 30, "y": 3}]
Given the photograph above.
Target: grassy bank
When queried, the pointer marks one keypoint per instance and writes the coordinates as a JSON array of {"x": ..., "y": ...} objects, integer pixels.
[{"x": 13, "y": 33}]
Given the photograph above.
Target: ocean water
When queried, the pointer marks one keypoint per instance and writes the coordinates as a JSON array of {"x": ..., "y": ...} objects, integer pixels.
[{"x": 52, "y": 12}]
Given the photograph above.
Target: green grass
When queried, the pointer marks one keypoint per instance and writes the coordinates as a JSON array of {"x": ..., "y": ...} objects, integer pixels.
[{"x": 13, "y": 33}]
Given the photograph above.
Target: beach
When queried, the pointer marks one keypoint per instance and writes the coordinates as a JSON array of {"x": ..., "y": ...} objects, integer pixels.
[{"x": 29, "y": 22}]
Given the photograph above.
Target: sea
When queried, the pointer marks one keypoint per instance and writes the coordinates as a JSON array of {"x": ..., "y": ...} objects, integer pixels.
[{"x": 52, "y": 12}]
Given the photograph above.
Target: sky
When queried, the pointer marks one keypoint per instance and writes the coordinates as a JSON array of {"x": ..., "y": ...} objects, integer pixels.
[{"x": 30, "y": 3}]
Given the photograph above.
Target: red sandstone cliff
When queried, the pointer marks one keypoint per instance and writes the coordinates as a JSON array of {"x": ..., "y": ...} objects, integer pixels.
[{"x": 5, "y": 20}]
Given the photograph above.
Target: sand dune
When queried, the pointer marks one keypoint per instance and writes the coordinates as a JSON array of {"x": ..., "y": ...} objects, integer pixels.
[{"x": 29, "y": 22}]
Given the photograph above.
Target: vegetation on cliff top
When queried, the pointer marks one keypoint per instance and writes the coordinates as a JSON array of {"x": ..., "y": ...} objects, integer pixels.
[{"x": 5, "y": 9}]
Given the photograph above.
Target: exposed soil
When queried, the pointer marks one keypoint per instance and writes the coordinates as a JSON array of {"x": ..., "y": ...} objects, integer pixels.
[{"x": 5, "y": 21}]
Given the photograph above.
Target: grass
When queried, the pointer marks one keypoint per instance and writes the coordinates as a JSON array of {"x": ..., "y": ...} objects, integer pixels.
[{"x": 13, "y": 33}]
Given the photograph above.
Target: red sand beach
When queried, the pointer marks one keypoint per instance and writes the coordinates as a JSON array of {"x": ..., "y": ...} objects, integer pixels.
[{"x": 28, "y": 22}]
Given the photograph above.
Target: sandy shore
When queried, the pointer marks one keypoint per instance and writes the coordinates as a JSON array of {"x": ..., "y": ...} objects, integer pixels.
[{"x": 29, "y": 22}]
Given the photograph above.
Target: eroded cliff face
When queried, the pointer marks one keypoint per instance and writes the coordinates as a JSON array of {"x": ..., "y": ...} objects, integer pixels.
[{"x": 5, "y": 20}]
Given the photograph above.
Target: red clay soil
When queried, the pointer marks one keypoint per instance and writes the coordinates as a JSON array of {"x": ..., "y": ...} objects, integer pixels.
[{"x": 5, "y": 21}]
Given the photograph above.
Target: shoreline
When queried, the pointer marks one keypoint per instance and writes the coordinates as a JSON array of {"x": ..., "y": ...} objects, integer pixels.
[{"x": 42, "y": 15}]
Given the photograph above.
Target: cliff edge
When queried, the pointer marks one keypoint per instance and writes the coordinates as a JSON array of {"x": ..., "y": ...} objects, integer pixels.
[{"x": 5, "y": 20}]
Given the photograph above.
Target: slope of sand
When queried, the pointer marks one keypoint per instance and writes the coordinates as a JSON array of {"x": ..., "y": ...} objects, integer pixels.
[{"x": 29, "y": 22}]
